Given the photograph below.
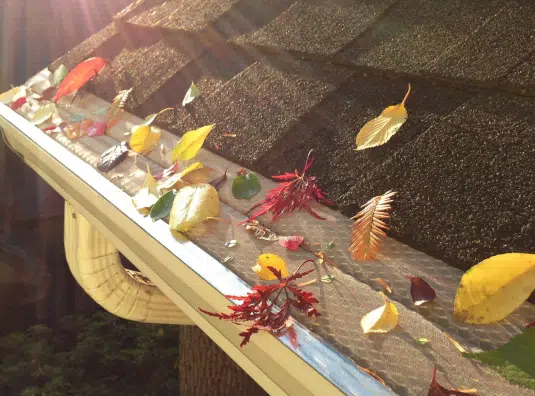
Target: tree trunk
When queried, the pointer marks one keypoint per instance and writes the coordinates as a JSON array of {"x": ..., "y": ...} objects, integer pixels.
[{"x": 205, "y": 370}]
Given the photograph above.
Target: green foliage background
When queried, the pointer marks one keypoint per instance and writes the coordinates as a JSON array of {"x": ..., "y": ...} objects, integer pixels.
[{"x": 90, "y": 355}]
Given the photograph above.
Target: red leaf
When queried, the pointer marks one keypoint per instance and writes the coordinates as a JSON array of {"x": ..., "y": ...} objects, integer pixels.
[
  {"x": 98, "y": 128},
  {"x": 435, "y": 389},
  {"x": 17, "y": 104},
  {"x": 421, "y": 292},
  {"x": 79, "y": 76},
  {"x": 530, "y": 325},
  {"x": 291, "y": 242},
  {"x": 167, "y": 172}
]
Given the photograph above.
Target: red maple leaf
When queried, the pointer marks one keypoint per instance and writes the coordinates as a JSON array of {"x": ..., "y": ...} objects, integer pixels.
[
  {"x": 261, "y": 308},
  {"x": 296, "y": 192}
]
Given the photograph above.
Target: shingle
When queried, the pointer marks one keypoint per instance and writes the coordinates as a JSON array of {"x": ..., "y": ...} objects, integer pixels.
[
  {"x": 466, "y": 187},
  {"x": 261, "y": 104},
  {"x": 318, "y": 27},
  {"x": 522, "y": 77},
  {"x": 415, "y": 33}
]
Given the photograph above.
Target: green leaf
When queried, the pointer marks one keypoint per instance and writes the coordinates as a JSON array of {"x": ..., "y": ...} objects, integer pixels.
[
  {"x": 162, "y": 207},
  {"x": 515, "y": 360},
  {"x": 192, "y": 93},
  {"x": 329, "y": 246},
  {"x": 59, "y": 74},
  {"x": 245, "y": 186},
  {"x": 421, "y": 340}
]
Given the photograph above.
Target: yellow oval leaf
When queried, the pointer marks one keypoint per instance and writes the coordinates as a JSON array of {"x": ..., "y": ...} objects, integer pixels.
[
  {"x": 147, "y": 196},
  {"x": 192, "y": 205},
  {"x": 494, "y": 288},
  {"x": 190, "y": 143},
  {"x": 379, "y": 130},
  {"x": 381, "y": 320},
  {"x": 270, "y": 260},
  {"x": 144, "y": 138}
]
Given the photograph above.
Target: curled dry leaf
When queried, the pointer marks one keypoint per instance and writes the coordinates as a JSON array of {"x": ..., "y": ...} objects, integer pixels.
[
  {"x": 260, "y": 231},
  {"x": 114, "y": 111},
  {"x": 369, "y": 226},
  {"x": 381, "y": 320},
  {"x": 494, "y": 288},
  {"x": 192, "y": 205},
  {"x": 79, "y": 76},
  {"x": 192, "y": 93},
  {"x": 190, "y": 143},
  {"x": 379, "y": 130},
  {"x": 435, "y": 389},
  {"x": 148, "y": 195},
  {"x": 291, "y": 242},
  {"x": 264, "y": 261},
  {"x": 421, "y": 292},
  {"x": 383, "y": 283}
]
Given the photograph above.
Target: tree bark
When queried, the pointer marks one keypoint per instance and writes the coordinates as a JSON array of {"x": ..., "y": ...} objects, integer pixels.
[{"x": 205, "y": 370}]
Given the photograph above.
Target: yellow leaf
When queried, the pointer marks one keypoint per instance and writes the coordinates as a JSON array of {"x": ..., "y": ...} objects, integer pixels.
[
  {"x": 147, "y": 196},
  {"x": 144, "y": 138},
  {"x": 44, "y": 113},
  {"x": 192, "y": 205},
  {"x": 270, "y": 260},
  {"x": 202, "y": 175},
  {"x": 381, "y": 320},
  {"x": 8, "y": 96},
  {"x": 190, "y": 143},
  {"x": 176, "y": 182},
  {"x": 379, "y": 130},
  {"x": 494, "y": 288}
]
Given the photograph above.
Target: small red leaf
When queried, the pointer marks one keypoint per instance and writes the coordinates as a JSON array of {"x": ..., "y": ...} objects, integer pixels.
[
  {"x": 421, "y": 292},
  {"x": 79, "y": 76},
  {"x": 291, "y": 242},
  {"x": 17, "y": 104},
  {"x": 532, "y": 324},
  {"x": 98, "y": 128},
  {"x": 435, "y": 389},
  {"x": 167, "y": 172}
]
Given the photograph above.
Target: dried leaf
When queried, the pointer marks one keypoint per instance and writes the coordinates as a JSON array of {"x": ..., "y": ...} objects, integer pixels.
[
  {"x": 192, "y": 93},
  {"x": 494, "y": 288},
  {"x": 291, "y": 242},
  {"x": 369, "y": 226},
  {"x": 167, "y": 172},
  {"x": 421, "y": 292},
  {"x": 117, "y": 106},
  {"x": 421, "y": 340},
  {"x": 379, "y": 130},
  {"x": 192, "y": 205},
  {"x": 144, "y": 138},
  {"x": 369, "y": 372},
  {"x": 381, "y": 320},
  {"x": 383, "y": 283},
  {"x": 112, "y": 157},
  {"x": 435, "y": 389},
  {"x": 220, "y": 181},
  {"x": 260, "y": 231},
  {"x": 226, "y": 259},
  {"x": 190, "y": 143},
  {"x": 59, "y": 75},
  {"x": 270, "y": 260},
  {"x": 79, "y": 76},
  {"x": 246, "y": 186},
  {"x": 162, "y": 207},
  {"x": 148, "y": 195},
  {"x": 43, "y": 114},
  {"x": 11, "y": 95}
]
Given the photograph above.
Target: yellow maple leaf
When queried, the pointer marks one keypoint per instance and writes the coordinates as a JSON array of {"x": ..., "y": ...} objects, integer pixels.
[
  {"x": 190, "y": 143},
  {"x": 381, "y": 320},
  {"x": 494, "y": 288},
  {"x": 270, "y": 260},
  {"x": 379, "y": 130}
]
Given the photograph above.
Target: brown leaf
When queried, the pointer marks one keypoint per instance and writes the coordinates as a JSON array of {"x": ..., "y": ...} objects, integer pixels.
[
  {"x": 383, "y": 283},
  {"x": 435, "y": 389},
  {"x": 421, "y": 292},
  {"x": 369, "y": 226},
  {"x": 261, "y": 232}
]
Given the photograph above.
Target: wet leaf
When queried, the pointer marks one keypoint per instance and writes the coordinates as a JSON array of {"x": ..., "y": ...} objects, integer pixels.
[
  {"x": 59, "y": 74},
  {"x": 245, "y": 186},
  {"x": 162, "y": 207},
  {"x": 515, "y": 360},
  {"x": 270, "y": 260},
  {"x": 381, "y": 320},
  {"x": 112, "y": 157},
  {"x": 79, "y": 76},
  {"x": 494, "y": 288},
  {"x": 220, "y": 181},
  {"x": 192, "y": 205},
  {"x": 190, "y": 143},
  {"x": 379, "y": 130},
  {"x": 435, "y": 389},
  {"x": 421, "y": 340},
  {"x": 291, "y": 242},
  {"x": 43, "y": 114},
  {"x": 369, "y": 227},
  {"x": 383, "y": 283},
  {"x": 192, "y": 93},
  {"x": 148, "y": 195},
  {"x": 144, "y": 138},
  {"x": 8, "y": 96},
  {"x": 167, "y": 172},
  {"x": 421, "y": 292},
  {"x": 97, "y": 129}
]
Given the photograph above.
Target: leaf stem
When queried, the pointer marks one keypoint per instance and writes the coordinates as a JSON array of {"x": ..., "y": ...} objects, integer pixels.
[{"x": 406, "y": 95}]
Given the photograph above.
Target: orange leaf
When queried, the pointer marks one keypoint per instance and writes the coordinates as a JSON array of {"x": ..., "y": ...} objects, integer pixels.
[
  {"x": 383, "y": 283},
  {"x": 79, "y": 76},
  {"x": 369, "y": 226}
]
